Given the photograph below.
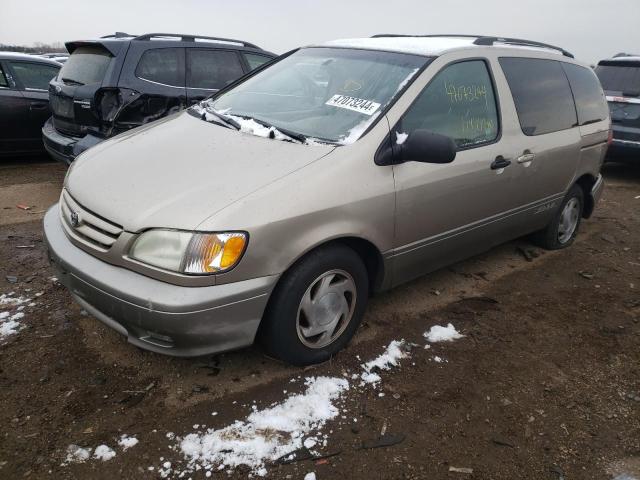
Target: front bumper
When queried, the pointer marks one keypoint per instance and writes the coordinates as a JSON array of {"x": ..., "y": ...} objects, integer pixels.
[
  {"x": 63, "y": 147},
  {"x": 154, "y": 315}
]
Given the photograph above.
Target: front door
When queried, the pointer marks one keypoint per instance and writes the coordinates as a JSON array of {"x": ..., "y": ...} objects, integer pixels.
[{"x": 451, "y": 211}]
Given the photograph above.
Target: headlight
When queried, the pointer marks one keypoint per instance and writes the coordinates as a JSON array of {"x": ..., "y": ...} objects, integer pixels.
[{"x": 189, "y": 252}]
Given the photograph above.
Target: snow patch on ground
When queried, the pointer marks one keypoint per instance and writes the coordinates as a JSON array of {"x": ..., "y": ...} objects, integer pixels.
[
  {"x": 389, "y": 358},
  {"x": 104, "y": 453},
  {"x": 266, "y": 434},
  {"x": 9, "y": 324},
  {"x": 77, "y": 454},
  {"x": 442, "y": 334},
  {"x": 127, "y": 442}
]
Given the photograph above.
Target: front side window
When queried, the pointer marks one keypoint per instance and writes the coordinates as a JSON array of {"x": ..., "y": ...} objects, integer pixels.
[
  {"x": 34, "y": 76},
  {"x": 459, "y": 102},
  {"x": 541, "y": 92},
  {"x": 254, "y": 61},
  {"x": 591, "y": 103},
  {"x": 212, "y": 69},
  {"x": 162, "y": 65},
  {"x": 329, "y": 94},
  {"x": 86, "y": 65}
]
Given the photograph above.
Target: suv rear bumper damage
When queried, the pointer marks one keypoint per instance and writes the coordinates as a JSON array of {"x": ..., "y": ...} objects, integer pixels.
[
  {"x": 156, "y": 316},
  {"x": 65, "y": 148}
]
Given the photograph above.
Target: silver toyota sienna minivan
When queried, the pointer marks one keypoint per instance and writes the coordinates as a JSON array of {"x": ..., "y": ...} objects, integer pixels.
[{"x": 273, "y": 210}]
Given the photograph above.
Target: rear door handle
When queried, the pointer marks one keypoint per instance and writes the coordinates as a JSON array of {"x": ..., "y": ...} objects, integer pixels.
[
  {"x": 500, "y": 162},
  {"x": 38, "y": 105},
  {"x": 526, "y": 158}
]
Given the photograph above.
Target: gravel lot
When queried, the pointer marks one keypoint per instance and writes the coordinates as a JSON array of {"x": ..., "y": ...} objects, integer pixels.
[{"x": 545, "y": 383}]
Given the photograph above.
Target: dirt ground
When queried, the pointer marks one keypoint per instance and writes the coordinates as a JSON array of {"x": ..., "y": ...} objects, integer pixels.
[{"x": 545, "y": 383}]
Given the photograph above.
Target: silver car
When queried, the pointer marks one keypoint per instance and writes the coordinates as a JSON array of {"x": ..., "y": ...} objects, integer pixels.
[{"x": 273, "y": 210}]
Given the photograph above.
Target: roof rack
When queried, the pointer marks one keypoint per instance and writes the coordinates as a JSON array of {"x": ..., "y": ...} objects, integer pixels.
[
  {"x": 193, "y": 38},
  {"x": 118, "y": 35},
  {"x": 520, "y": 42},
  {"x": 485, "y": 40}
]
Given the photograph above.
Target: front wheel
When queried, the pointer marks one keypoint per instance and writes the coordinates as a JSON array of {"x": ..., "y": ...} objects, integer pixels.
[
  {"x": 562, "y": 230},
  {"x": 316, "y": 307}
]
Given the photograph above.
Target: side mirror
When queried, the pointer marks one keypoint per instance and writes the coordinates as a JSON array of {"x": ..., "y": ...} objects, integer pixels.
[{"x": 428, "y": 147}]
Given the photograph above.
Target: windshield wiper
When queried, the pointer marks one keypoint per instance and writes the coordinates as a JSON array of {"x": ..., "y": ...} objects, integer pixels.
[
  {"x": 71, "y": 81},
  {"x": 294, "y": 135},
  {"x": 225, "y": 119}
]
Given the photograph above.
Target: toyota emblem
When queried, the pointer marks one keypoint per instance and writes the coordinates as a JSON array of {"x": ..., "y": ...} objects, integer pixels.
[{"x": 75, "y": 219}]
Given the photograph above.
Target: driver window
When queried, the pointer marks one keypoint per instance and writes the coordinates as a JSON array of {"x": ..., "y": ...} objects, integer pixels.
[{"x": 458, "y": 102}]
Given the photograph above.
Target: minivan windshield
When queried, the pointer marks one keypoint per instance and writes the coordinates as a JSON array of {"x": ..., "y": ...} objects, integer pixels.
[
  {"x": 86, "y": 65},
  {"x": 326, "y": 94},
  {"x": 620, "y": 76}
]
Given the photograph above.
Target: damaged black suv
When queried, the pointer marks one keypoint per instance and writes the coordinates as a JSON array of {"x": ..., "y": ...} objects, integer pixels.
[{"x": 122, "y": 81}]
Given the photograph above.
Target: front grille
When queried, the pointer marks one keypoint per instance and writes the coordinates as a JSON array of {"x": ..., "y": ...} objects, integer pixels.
[{"x": 86, "y": 225}]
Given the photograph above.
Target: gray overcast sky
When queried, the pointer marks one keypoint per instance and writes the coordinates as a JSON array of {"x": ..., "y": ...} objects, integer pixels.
[{"x": 590, "y": 29}]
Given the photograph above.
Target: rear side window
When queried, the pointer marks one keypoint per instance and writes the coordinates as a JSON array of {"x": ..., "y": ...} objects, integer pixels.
[
  {"x": 3, "y": 79},
  {"x": 541, "y": 93},
  {"x": 162, "y": 65},
  {"x": 254, "y": 61},
  {"x": 460, "y": 103},
  {"x": 620, "y": 77},
  {"x": 212, "y": 69},
  {"x": 590, "y": 101},
  {"x": 34, "y": 76},
  {"x": 86, "y": 65}
]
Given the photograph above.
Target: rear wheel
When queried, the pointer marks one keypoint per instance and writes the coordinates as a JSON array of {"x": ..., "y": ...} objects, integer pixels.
[
  {"x": 316, "y": 307},
  {"x": 562, "y": 230}
]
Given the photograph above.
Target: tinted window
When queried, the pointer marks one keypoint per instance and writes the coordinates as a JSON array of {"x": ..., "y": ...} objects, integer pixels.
[
  {"x": 161, "y": 65},
  {"x": 255, "y": 61},
  {"x": 620, "y": 77},
  {"x": 3, "y": 79},
  {"x": 459, "y": 102},
  {"x": 590, "y": 101},
  {"x": 34, "y": 75},
  {"x": 86, "y": 65},
  {"x": 541, "y": 93},
  {"x": 212, "y": 69}
]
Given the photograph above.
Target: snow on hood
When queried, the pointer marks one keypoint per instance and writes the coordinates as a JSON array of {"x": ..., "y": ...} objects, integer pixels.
[{"x": 179, "y": 171}]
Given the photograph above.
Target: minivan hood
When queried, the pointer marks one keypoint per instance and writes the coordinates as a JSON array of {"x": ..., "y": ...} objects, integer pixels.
[{"x": 179, "y": 171}]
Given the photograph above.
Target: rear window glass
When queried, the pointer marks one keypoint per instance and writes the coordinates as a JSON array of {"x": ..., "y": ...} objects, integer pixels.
[
  {"x": 86, "y": 65},
  {"x": 590, "y": 101},
  {"x": 34, "y": 76},
  {"x": 541, "y": 93},
  {"x": 255, "y": 61},
  {"x": 212, "y": 69},
  {"x": 620, "y": 78},
  {"x": 162, "y": 65}
]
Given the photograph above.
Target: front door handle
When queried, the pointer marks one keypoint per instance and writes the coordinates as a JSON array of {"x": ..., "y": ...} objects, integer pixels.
[
  {"x": 500, "y": 162},
  {"x": 526, "y": 158}
]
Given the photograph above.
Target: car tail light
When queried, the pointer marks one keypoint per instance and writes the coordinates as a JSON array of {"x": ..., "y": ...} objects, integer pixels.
[{"x": 610, "y": 139}]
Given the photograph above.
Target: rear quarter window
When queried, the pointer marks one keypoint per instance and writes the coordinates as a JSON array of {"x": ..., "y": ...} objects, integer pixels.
[
  {"x": 254, "y": 60},
  {"x": 86, "y": 65},
  {"x": 541, "y": 93},
  {"x": 591, "y": 103},
  {"x": 162, "y": 65}
]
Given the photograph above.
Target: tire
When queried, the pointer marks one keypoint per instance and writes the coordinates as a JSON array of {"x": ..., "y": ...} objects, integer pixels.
[
  {"x": 328, "y": 286},
  {"x": 556, "y": 235}
]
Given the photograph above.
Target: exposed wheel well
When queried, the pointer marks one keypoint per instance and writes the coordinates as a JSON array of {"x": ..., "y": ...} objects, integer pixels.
[{"x": 586, "y": 183}]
